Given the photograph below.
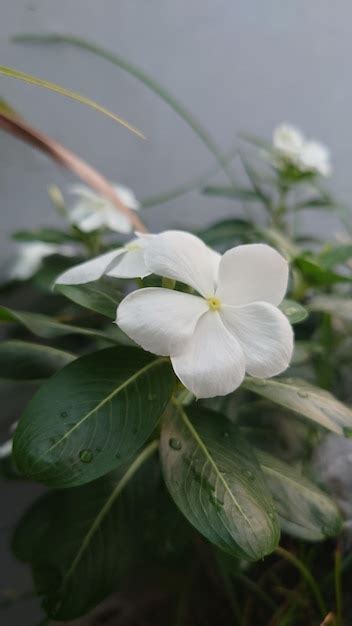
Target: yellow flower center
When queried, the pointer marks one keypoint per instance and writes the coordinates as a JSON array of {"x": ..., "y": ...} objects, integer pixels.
[
  {"x": 132, "y": 247},
  {"x": 214, "y": 303}
]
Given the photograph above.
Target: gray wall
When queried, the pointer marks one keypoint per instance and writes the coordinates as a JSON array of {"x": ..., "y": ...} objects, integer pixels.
[{"x": 244, "y": 65}]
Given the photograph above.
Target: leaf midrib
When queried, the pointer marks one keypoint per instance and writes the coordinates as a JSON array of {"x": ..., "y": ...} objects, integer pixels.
[
  {"x": 128, "y": 381},
  {"x": 203, "y": 447}
]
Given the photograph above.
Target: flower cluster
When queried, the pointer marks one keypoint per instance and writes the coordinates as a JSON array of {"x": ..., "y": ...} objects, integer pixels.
[
  {"x": 227, "y": 324},
  {"x": 291, "y": 148}
]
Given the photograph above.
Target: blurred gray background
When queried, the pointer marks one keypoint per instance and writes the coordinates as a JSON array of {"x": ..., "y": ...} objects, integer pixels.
[{"x": 238, "y": 66}]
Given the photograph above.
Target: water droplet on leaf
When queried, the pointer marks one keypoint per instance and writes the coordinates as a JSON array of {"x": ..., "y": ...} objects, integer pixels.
[
  {"x": 302, "y": 394},
  {"x": 175, "y": 444},
  {"x": 86, "y": 456},
  {"x": 260, "y": 382},
  {"x": 64, "y": 414}
]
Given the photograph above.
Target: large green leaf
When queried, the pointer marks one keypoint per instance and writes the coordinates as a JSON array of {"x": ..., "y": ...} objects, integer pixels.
[
  {"x": 21, "y": 360},
  {"x": 304, "y": 510},
  {"x": 81, "y": 542},
  {"x": 312, "y": 402},
  {"x": 92, "y": 416},
  {"x": 214, "y": 478},
  {"x": 101, "y": 296},
  {"x": 317, "y": 274},
  {"x": 227, "y": 233},
  {"x": 46, "y": 235},
  {"x": 47, "y": 327}
]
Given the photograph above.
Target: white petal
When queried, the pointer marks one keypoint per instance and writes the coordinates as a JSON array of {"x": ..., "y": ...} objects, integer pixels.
[
  {"x": 252, "y": 273},
  {"x": 84, "y": 192},
  {"x": 127, "y": 196},
  {"x": 288, "y": 140},
  {"x": 5, "y": 449},
  {"x": 212, "y": 363},
  {"x": 265, "y": 335},
  {"x": 160, "y": 320},
  {"x": 90, "y": 270},
  {"x": 131, "y": 264},
  {"x": 184, "y": 257},
  {"x": 116, "y": 220}
]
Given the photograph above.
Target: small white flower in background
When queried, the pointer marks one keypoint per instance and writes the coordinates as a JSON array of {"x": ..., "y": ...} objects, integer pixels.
[
  {"x": 233, "y": 326},
  {"x": 288, "y": 141},
  {"x": 29, "y": 257},
  {"x": 290, "y": 146},
  {"x": 93, "y": 211},
  {"x": 125, "y": 262}
]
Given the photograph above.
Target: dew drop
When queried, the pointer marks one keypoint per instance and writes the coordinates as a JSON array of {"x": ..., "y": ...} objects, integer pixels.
[
  {"x": 118, "y": 456},
  {"x": 86, "y": 456},
  {"x": 302, "y": 394},
  {"x": 271, "y": 515},
  {"x": 175, "y": 444},
  {"x": 151, "y": 397},
  {"x": 290, "y": 310},
  {"x": 134, "y": 431},
  {"x": 226, "y": 435},
  {"x": 64, "y": 414}
]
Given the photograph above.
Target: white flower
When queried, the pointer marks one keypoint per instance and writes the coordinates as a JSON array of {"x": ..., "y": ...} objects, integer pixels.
[
  {"x": 6, "y": 447},
  {"x": 315, "y": 157},
  {"x": 232, "y": 326},
  {"x": 125, "y": 262},
  {"x": 288, "y": 141},
  {"x": 29, "y": 257},
  {"x": 290, "y": 146},
  {"x": 94, "y": 211}
]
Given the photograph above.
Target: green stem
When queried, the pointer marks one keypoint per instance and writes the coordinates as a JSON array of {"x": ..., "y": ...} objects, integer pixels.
[
  {"x": 338, "y": 587},
  {"x": 306, "y": 575},
  {"x": 138, "y": 73}
]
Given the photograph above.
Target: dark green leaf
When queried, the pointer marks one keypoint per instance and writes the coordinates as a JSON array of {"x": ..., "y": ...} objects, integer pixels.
[
  {"x": 92, "y": 416},
  {"x": 214, "y": 478},
  {"x": 311, "y": 402},
  {"x": 46, "y": 327},
  {"x": 47, "y": 235},
  {"x": 21, "y": 360},
  {"x": 295, "y": 312},
  {"x": 81, "y": 542},
  {"x": 316, "y": 274},
  {"x": 101, "y": 296},
  {"x": 304, "y": 510},
  {"x": 228, "y": 233}
]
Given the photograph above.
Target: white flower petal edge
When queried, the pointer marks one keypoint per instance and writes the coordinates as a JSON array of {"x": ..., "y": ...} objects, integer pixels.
[
  {"x": 252, "y": 273},
  {"x": 288, "y": 140},
  {"x": 265, "y": 335},
  {"x": 212, "y": 363},
  {"x": 90, "y": 270},
  {"x": 184, "y": 257},
  {"x": 131, "y": 264},
  {"x": 160, "y": 320},
  {"x": 6, "y": 449}
]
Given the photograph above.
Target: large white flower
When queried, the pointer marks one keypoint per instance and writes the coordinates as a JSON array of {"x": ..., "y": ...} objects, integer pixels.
[
  {"x": 231, "y": 327},
  {"x": 290, "y": 146},
  {"x": 125, "y": 262},
  {"x": 93, "y": 211}
]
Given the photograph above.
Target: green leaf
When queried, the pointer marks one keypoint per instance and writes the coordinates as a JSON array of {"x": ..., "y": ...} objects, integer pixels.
[
  {"x": 142, "y": 76},
  {"x": 304, "y": 510},
  {"x": 295, "y": 312},
  {"x": 82, "y": 542},
  {"x": 101, "y": 296},
  {"x": 46, "y": 327},
  {"x": 20, "y": 360},
  {"x": 330, "y": 257},
  {"x": 339, "y": 307},
  {"x": 312, "y": 402},
  {"x": 214, "y": 478},
  {"x": 9, "y": 72},
  {"x": 228, "y": 233},
  {"x": 316, "y": 274},
  {"x": 236, "y": 193},
  {"x": 92, "y": 416},
  {"x": 47, "y": 235}
]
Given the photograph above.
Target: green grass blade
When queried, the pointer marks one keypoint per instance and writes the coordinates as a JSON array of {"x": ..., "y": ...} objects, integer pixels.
[
  {"x": 39, "y": 82},
  {"x": 142, "y": 76}
]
